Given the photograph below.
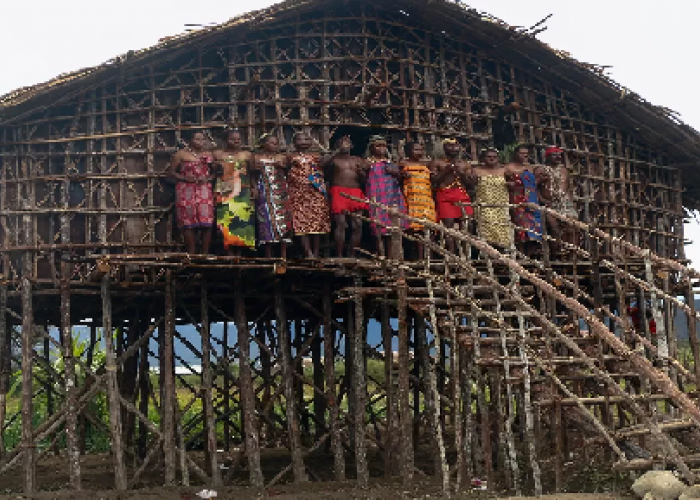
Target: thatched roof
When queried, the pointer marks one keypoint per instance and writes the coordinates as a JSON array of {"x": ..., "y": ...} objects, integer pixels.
[{"x": 659, "y": 127}]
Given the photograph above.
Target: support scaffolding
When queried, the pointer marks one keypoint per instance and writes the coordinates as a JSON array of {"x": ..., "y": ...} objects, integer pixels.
[{"x": 471, "y": 365}]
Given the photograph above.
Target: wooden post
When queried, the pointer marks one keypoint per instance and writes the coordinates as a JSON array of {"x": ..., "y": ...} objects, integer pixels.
[
  {"x": 129, "y": 378},
  {"x": 360, "y": 392},
  {"x": 144, "y": 393},
  {"x": 404, "y": 407},
  {"x": 288, "y": 381},
  {"x": 390, "y": 455},
  {"x": 5, "y": 360},
  {"x": 331, "y": 392},
  {"x": 250, "y": 421},
  {"x": 227, "y": 387},
  {"x": 207, "y": 393},
  {"x": 115, "y": 417},
  {"x": 167, "y": 404},
  {"x": 72, "y": 441},
  {"x": 28, "y": 385},
  {"x": 83, "y": 422},
  {"x": 48, "y": 382},
  {"x": 320, "y": 402}
]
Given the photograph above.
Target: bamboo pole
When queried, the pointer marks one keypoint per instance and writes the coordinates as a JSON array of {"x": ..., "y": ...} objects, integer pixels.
[
  {"x": 692, "y": 328},
  {"x": 28, "y": 443},
  {"x": 455, "y": 390},
  {"x": 432, "y": 399},
  {"x": 331, "y": 386},
  {"x": 506, "y": 418},
  {"x": 144, "y": 388},
  {"x": 390, "y": 452},
  {"x": 168, "y": 396},
  {"x": 319, "y": 400},
  {"x": 360, "y": 390},
  {"x": 227, "y": 385},
  {"x": 207, "y": 392},
  {"x": 72, "y": 438},
  {"x": 248, "y": 400},
  {"x": 115, "y": 419},
  {"x": 5, "y": 361},
  {"x": 288, "y": 383},
  {"x": 182, "y": 455},
  {"x": 404, "y": 408}
]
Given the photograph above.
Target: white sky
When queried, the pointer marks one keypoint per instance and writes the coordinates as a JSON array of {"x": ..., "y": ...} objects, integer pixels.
[{"x": 650, "y": 45}]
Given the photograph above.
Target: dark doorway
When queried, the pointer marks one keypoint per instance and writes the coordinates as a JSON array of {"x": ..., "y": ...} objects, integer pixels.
[{"x": 360, "y": 137}]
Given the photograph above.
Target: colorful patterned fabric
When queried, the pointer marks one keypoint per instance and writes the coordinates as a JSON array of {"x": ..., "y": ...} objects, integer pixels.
[
  {"x": 446, "y": 200},
  {"x": 272, "y": 206},
  {"x": 384, "y": 188},
  {"x": 493, "y": 221},
  {"x": 419, "y": 194},
  {"x": 528, "y": 221},
  {"x": 235, "y": 213},
  {"x": 307, "y": 192},
  {"x": 195, "y": 202},
  {"x": 340, "y": 204},
  {"x": 561, "y": 200}
]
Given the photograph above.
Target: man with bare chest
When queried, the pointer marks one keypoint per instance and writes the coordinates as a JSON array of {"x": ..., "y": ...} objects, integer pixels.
[
  {"x": 346, "y": 174},
  {"x": 452, "y": 176}
]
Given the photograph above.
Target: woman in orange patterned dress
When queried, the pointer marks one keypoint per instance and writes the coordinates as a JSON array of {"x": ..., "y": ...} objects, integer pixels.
[{"x": 417, "y": 189}]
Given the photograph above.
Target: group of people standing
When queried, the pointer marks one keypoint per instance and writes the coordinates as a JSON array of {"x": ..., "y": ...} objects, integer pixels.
[{"x": 264, "y": 199}]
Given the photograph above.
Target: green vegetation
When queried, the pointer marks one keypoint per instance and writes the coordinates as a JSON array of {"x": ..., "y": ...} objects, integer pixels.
[{"x": 95, "y": 427}]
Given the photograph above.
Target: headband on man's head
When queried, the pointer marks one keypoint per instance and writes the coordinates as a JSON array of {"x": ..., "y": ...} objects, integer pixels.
[
  {"x": 375, "y": 139},
  {"x": 264, "y": 137},
  {"x": 450, "y": 140},
  {"x": 551, "y": 150}
]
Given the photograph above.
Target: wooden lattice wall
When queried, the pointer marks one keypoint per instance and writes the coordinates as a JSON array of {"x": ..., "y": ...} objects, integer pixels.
[{"x": 85, "y": 171}]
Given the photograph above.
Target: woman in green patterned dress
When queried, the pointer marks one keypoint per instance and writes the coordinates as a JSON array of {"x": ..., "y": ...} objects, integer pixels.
[{"x": 235, "y": 209}]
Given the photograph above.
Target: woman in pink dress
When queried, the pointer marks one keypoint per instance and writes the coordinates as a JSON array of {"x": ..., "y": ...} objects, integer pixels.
[{"x": 191, "y": 169}]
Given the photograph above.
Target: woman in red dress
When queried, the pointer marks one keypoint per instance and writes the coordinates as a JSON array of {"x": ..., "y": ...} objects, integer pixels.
[{"x": 191, "y": 169}]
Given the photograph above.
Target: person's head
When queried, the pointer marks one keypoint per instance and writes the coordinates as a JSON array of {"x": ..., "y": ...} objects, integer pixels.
[
  {"x": 521, "y": 154},
  {"x": 553, "y": 156},
  {"x": 490, "y": 157},
  {"x": 414, "y": 150},
  {"x": 269, "y": 143},
  {"x": 234, "y": 139},
  {"x": 302, "y": 141},
  {"x": 378, "y": 147},
  {"x": 344, "y": 145},
  {"x": 452, "y": 148},
  {"x": 196, "y": 140}
]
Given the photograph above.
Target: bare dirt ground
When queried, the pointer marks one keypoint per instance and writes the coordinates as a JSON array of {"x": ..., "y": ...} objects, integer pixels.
[
  {"x": 315, "y": 491},
  {"x": 98, "y": 479}
]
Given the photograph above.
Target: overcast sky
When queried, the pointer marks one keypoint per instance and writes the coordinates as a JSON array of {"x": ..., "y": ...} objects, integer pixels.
[{"x": 651, "y": 46}]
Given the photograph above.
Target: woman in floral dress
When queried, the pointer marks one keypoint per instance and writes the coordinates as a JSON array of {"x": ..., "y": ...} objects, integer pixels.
[{"x": 191, "y": 169}]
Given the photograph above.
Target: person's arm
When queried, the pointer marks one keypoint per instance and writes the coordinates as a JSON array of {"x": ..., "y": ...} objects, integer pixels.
[
  {"x": 255, "y": 163},
  {"x": 362, "y": 167},
  {"x": 510, "y": 179},
  {"x": 212, "y": 173},
  {"x": 566, "y": 185},
  {"x": 284, "y": 161},
  {"x": 393, "y": 170},
  {"x": 466, "y": 175},
  {"x": 544, "y": 185},
  {"x": 217, "y": 165},
  {"x": 174, "y": 175},
  {"x": 442, "y": 171}
]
